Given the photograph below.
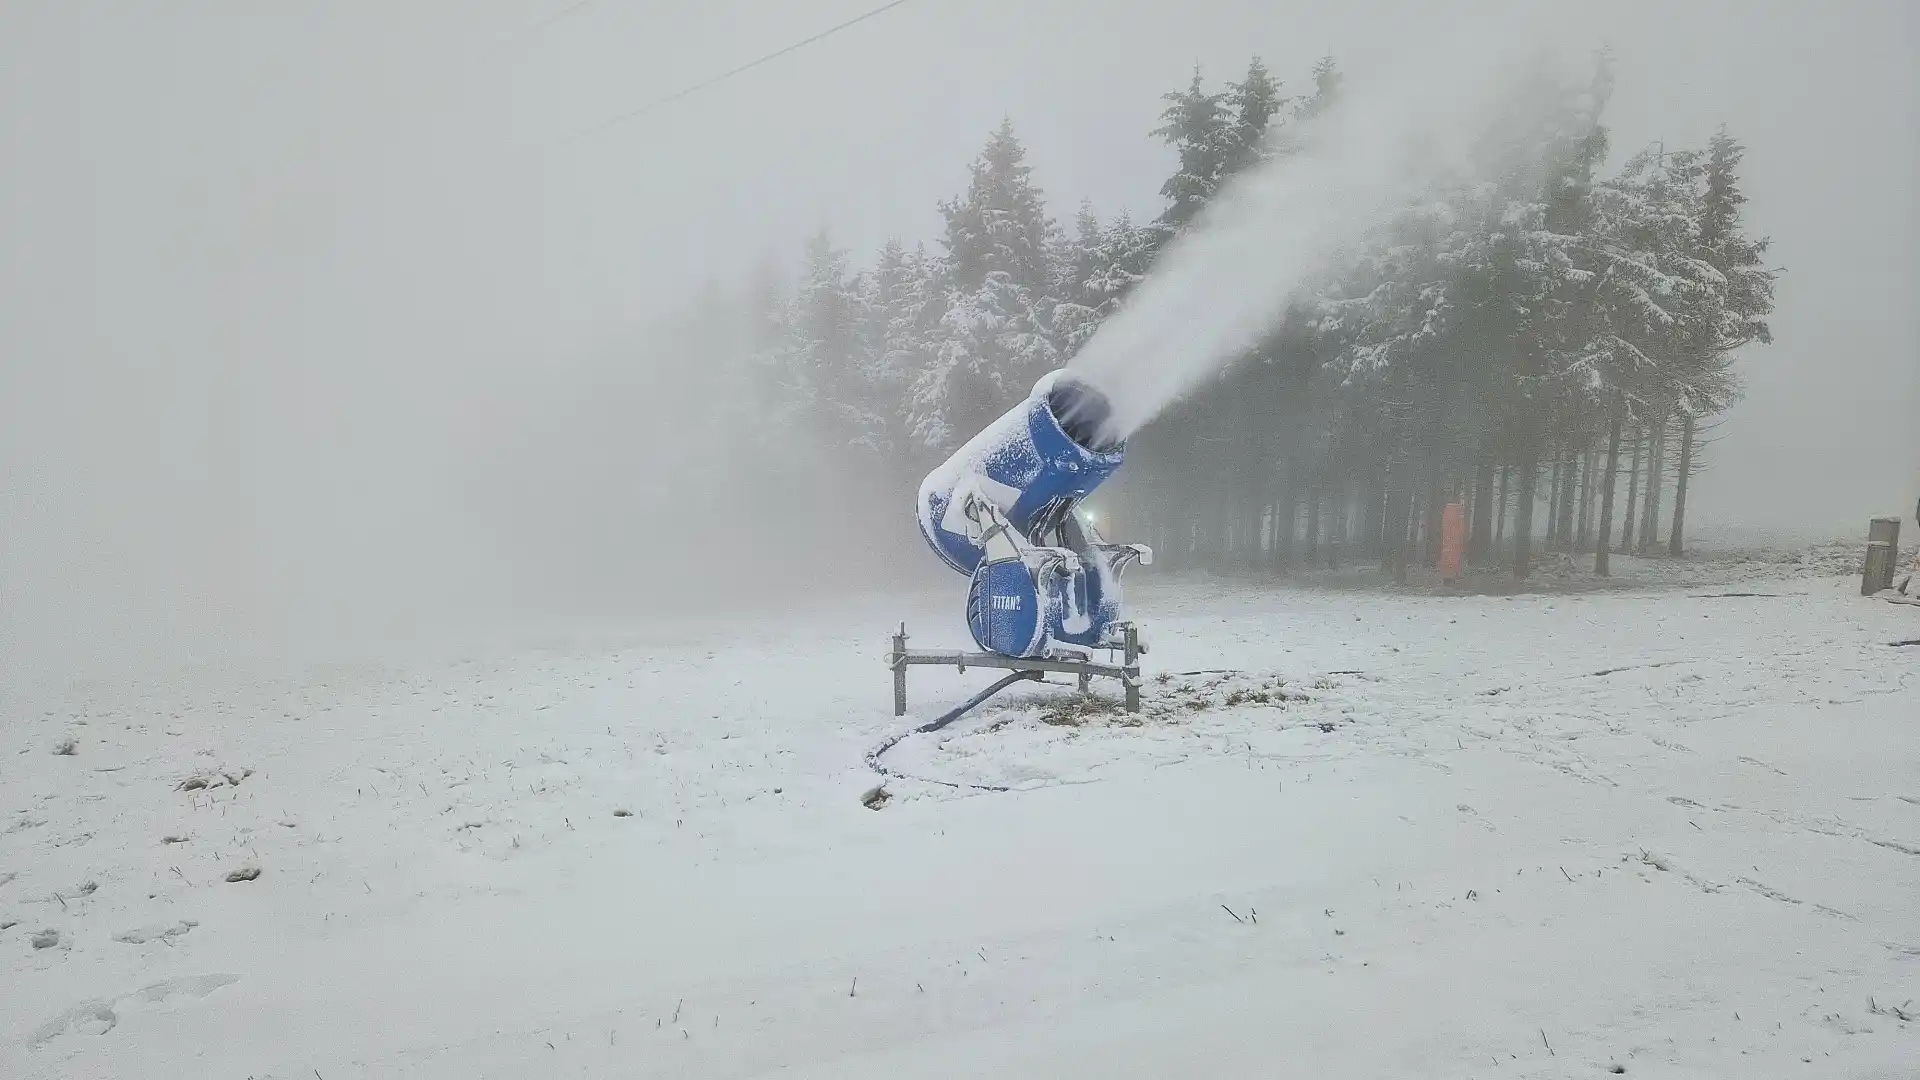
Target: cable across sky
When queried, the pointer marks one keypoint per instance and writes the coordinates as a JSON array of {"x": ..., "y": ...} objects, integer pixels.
[{"x": 743, "y": 68}]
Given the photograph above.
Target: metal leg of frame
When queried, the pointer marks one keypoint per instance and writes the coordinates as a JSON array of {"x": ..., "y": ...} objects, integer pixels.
[
  {"x": 1132, "y": 667},
  {"x": 899, "y": 662}
]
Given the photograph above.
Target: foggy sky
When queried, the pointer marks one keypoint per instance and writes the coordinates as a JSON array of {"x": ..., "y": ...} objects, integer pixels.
[{"x": 265, "y": 270}]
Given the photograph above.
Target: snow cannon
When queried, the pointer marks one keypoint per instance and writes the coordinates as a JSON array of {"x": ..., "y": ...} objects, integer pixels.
[{"x": 1004, "y": 510}]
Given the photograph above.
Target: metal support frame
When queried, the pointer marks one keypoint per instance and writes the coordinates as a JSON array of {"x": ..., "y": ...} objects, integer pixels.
[{"x": 901, "y": 658}]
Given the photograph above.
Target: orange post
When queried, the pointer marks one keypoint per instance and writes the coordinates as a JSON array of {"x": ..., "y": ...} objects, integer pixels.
[{"x": 1453, "y": 539}]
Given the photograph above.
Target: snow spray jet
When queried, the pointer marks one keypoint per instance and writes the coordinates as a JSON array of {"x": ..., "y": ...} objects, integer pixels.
[{"x": 1223, "y": 284}]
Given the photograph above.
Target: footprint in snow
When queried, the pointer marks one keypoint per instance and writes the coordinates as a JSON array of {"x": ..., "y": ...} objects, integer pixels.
[
  {"x": 144, "y": 934},
  {"x": 101, "y": 1015}
]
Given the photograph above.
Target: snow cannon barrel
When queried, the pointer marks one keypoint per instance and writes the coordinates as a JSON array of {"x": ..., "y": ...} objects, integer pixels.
[{"x": 1034, "y": 464}]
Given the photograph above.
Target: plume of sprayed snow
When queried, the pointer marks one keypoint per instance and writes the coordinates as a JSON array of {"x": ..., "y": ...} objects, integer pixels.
[{"x": 1219, "y": 287}]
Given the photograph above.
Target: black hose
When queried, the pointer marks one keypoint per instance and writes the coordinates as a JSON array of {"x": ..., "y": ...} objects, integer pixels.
[{"x": 945, "y": 718}]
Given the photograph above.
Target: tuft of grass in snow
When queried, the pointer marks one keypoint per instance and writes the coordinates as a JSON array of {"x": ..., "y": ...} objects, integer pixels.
[
  {"x": 1903, "y": 1012},
  {"x": 1203, "y": 691},
  {"x": 1170, "y": 696},
  {"x": 66, "y": 748},
  {"x": 1077, "y": 709},
  {"x": 212, "y": 778}
]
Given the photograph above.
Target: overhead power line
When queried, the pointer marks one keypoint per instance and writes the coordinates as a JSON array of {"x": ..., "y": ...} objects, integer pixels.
[
  {"x": 522, "y": 39},
  {"x": 571, "y": 9},
  {"x": 748, "y": 66}
]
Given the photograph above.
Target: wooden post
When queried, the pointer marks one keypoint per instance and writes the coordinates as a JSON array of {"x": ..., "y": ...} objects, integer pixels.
[
  {"x": 1883, "y": 551},
  {"x": 1132, "y": 669},
  {"x": 899, "y": 662}
]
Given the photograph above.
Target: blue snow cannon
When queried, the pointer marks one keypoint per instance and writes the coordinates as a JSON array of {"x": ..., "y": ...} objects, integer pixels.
[{"x": 1003, "y": 511}]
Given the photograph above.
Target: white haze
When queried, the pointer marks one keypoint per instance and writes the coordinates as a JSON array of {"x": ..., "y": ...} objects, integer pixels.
[
  {"x": 315, "y": 332},
  {"x": 1224, "y": 283}
]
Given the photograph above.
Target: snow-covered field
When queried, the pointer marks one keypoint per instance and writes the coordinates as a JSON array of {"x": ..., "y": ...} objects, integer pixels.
[{"x": 1666, "y": 831}]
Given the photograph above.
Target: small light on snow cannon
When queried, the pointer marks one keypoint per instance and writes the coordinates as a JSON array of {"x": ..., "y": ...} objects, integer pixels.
[{"x": 1004, "y": 510}]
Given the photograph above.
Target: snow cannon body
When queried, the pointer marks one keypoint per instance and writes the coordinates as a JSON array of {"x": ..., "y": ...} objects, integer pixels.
[{"x": 1003, "y": 510}]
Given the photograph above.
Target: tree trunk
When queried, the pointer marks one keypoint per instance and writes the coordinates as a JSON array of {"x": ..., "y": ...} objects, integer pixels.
[
  {"x": 1607, "y": 482},
  {"x": 1206, "y": 553},
  {"x": 1481, "y": 541},
  {"x": 1523, "y": 513},
  {"x": 1231, "y": 524},
  {"x": 1500, "y": 515},
  {"x": 1171, "y": 555},
  {"x": 1390, "y": 486},
  {"x": 1395, "y": 540},
  {"x": 1282, "y": 542},
  {"x": 1406, "y": 525},
  {"x": 1656, "y": 467},
  {"x": 1676, "y": 545},
  {"x": 1553, "y": 503},
  {"x": 1569, "y": 499},
  {"x": 1310, "y": 548},
  {"x": 1582, "y": 483},
  {"x": 1436, "y": 506},
  {"x": 1594, "y": 485},
  {"x": 1633, "y": 493},
  {"x": 1584, "y": 535},
  {"x": 1373, "y": 506},
  {"x": 1252, "y": 515},
  {"x": 1341, "y": 509}
]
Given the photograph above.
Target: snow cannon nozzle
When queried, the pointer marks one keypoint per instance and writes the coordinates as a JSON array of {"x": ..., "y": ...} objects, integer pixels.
[{"x": 1085, "y": 414}]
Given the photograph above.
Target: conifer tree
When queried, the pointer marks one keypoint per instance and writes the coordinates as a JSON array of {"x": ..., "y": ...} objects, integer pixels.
[
  {"x": 825, "y": 360},
  {"x": 996, "y": 336},
  {"x": 1200, "y": 128},
  {"x": 1255, "y": 103}
]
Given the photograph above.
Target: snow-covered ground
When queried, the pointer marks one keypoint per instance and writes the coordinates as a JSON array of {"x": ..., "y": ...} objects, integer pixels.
[{"x": 1664, "y": 830}]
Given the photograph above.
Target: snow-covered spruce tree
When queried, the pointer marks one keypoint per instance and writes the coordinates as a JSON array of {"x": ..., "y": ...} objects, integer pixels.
[
  {"x": 1383, "y": 327},
  {"x": 1255, "y": 104},
  {"x": 1326, "y": 90},
  {"x": 762, "y": 342},
  {"x": 902, "y": 306},
  {"x": 827, "y": 366},
  {"x": 1734, "y": 311},
  {"x": 1686, "y": 291},
  {"x": 1000, "y": 225},
  {"x": 1077, "y": 266},
  {"x": 996, "y": 336},
  {"x": 1460, "y": 330},
  {"x": 1197, "y": 124},
  {"x": 1126, "y": 254},
  {"x": 1549, "y": 275},
  {"x": 1214, "y": 135},
  {"x": 1649, "y": 288}
]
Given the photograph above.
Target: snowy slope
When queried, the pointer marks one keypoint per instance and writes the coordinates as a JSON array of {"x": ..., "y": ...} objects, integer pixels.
[{"x": 1532, "y": 836}]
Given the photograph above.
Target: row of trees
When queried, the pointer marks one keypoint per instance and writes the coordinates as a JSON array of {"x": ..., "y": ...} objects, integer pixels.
[{"x": 1538, "y": 337}]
